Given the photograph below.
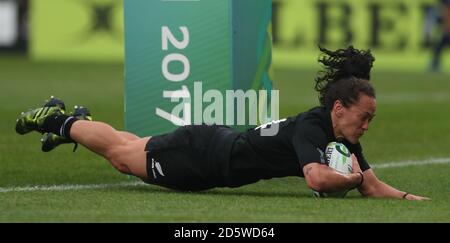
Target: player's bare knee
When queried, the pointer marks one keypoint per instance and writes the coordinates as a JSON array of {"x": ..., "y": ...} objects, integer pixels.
[
  {"x": 114, "y": 153},
  {"x": 123, "y": 169},
  {"x": 120, "y": 166},
  {"x": 114, "y": 157}
]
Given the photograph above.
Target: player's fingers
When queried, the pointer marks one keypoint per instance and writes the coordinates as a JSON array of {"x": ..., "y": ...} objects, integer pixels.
[
  {"x": 355, "y": 164},
  {"x": 424, "y": 198},
  {"x": 417, "y": 198}
]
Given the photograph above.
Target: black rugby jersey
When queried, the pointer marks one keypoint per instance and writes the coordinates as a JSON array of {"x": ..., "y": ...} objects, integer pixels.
[{"x": 300, "y": 140}]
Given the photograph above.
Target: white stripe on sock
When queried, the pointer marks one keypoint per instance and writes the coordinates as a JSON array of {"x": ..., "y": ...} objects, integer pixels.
[{"x": 62, "y": 130}]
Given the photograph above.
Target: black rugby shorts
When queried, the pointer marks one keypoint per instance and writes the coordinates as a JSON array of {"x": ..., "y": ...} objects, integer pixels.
[{"x": 189, "y": 158}]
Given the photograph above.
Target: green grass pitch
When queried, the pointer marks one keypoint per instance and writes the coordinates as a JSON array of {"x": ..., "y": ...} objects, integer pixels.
[{"x": 412, "y": 123}]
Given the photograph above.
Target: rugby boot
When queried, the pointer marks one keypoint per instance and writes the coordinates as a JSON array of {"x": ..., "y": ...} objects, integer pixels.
[
  {"x": 55, "y": 102},
  {"x": 27, "y": 122},
  {"x": 33, "y": 120},
  {"x": 50, "y": 140}
]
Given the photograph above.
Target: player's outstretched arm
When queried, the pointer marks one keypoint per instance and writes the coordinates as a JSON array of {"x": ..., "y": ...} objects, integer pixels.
[
  {"x": 322, "y": 178},
  {"x": 373, "y": 187}
]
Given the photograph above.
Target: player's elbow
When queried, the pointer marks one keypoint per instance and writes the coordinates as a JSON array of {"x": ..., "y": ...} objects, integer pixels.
[
  {"x": 315, "y": 180},
  {"x": 317, "y": 184}
]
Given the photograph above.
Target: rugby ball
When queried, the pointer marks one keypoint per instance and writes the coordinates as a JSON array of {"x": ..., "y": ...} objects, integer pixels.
[{"x": 338, "y": 157}]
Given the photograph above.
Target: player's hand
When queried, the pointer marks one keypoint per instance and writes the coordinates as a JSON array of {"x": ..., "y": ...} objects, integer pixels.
[
  {"x": 412, "y": 197},
  {"x": 355, "y": 164}
]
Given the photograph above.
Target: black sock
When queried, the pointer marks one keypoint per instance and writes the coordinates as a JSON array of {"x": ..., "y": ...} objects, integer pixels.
[{"x": 59, "y": 124}]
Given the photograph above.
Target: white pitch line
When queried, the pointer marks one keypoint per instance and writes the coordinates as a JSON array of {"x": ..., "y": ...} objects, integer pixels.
[
  {"x": 411, "y": 163},
  {"x": 138, "y": 183},
  {"x": 69, "y": 187}
]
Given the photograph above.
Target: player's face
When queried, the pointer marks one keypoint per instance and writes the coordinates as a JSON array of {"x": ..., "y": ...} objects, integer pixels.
[{"x": 352, "y": 122}]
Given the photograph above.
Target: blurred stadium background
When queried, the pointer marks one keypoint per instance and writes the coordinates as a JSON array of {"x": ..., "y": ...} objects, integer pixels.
[{"x": 74, "y": 49}]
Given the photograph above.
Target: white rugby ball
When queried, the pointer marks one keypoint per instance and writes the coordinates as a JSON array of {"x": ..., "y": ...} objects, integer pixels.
[{"x": 339, "y": 158}]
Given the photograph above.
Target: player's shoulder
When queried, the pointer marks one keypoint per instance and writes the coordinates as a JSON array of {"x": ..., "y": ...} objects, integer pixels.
[
  {"x": 314, "y": 118},
  {"x": 313, "y": 124},
  {"x": 316, "y": 113}
]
